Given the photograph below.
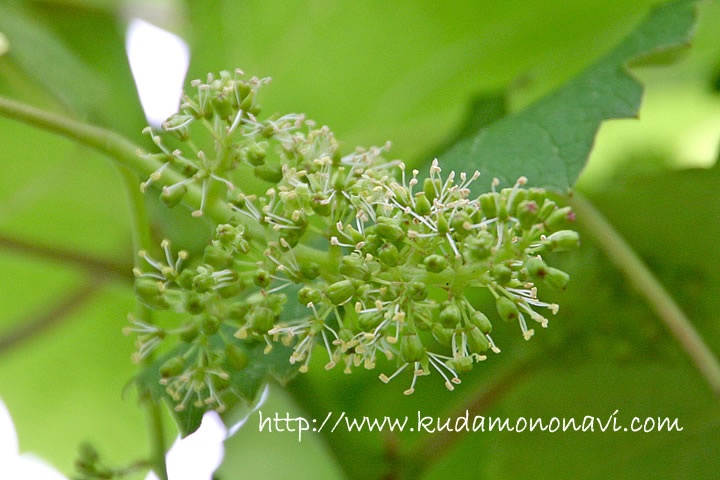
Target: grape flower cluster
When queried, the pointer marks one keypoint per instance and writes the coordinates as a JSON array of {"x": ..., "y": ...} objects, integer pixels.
[{"x": 381, "y": 259}]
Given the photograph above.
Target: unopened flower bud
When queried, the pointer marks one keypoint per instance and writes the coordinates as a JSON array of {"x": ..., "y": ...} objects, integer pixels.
[
  {"x": 481, "y": 321},
  {"x": 450, "y": 315},
  {"x": 210, "y": 325},
  {"x": 389, "y": 229},
  {"x": 501, "y": 273},
  {"x": 308, "y": 295},
  {"x": 563, "y": 241},
  {"x": 262, "y": 278},
  {"x": 488, "y": 204},
  {"x": 527, "y": 213},
  {"x": 536, "y": 267},
  {"x": 507, "y": 309},
  {"x": 172, "y": 368},
  {"x": 354, "y": 266},
  {"x": 217, "y": 256},
  {"x": 173, "y": 194},
  {"x": 435, "y": 263},
  {"x": 431, "y": 189},
  {"x": 389, "y": 254},
  {"x": 422, "y": 204},
  {"x": 556, "y": 279},
  {"x": 477, "y": 341},
  {"x": 269, "y": 173},
  {"x": 262, "y": 319},
  {"x": 560, "y": 218},
  {"x": 340, "y": 292},
  {"x": 417, "y": 291},
  {"x": 411, "y": 348}
]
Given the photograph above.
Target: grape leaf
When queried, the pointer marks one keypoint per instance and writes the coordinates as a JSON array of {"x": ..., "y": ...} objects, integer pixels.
[{"x": 549, "y": 141}]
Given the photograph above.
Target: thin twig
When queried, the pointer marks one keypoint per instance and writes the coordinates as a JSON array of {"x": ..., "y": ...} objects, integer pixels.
[
  {"x": 630, "y": 264},
  {"x": 92, "y": 264},
  {"x": 39, "y": 323}
]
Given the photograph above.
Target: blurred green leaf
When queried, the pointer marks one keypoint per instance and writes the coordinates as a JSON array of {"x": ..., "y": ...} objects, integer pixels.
[
  {"x": 38, "y": 52},
  {"x": 550, "y": 141}
]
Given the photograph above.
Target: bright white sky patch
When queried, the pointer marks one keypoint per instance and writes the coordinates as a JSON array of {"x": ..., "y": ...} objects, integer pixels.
[
  {"x": 159, "y": 61},
  {"x": 198, "y": 455},
  {"x": 16, "y": 466}
]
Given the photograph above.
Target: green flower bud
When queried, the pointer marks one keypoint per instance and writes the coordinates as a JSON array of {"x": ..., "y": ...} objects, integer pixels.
[
  {"x": 369, "y": 321},
  {"x": 309, "y": 270},
  {"x": 442, "y": 335},
  {"x": 320, "y": 205},
  {"x": 536, "y": 267},
  {"x": 423, "y": 318},
  {"x": 238, "y": 311},
  {"x": 560, "y": 218},
  {"x": 527, "y": 213},
  {"x": 192, "y": 303},
  {"x": 236, "y": 356},
  {"x": 150, "y": 292},
  {"x": 442, "y": 225},
  {"x": 189, "y": 333},
  {"x": 556, "y": 279},
  {"x": 354, "y": 266},
  {"x": 185, "y": 279},
  {"x": 507, "y": 309},
  {"x": 461, "y": 364},
  {"x": 435, "y": 263},
  {"x": 422, "y": 204},
  {"x": 222, "y": 105},
  {"x": 537, "y": 195},
  {"x": 547, "y": 208},
  {"x": 477, "y": 341},
  {"x": 479, "y": 247},
  {"x": 488, "y": 204},
  {"x": 172, "y": 368},
  {"x": 210, "y": 325},
  {"x": 458, "y": 225},
  {"x": 417, "y": 291},
  {"x": 262, "y": 278},
  {"x": 356, "y": 236},
  {"x": 482, "y": 322},
  {"x": 431, "y": 189},
  {"x": 255, "y": 154},
  {"x": 411, "y": 348},
  {"x": 389, "y": 254},
  {"x": 389, "y": 229},
  {"x": 340, "y": 292},
  {"x": 501, "y": 273},
  {"x": 217, "y": 256},
  {"x": 262, "y": 319},
  {"x": 309, "y": 295},
  {"x": 520, "y": 196},
  {"x": 563, "y": 241},
  {"x": 226, "y": 234},
  {"x": 450, "y": 315},
  {"x": 269, "y": 173},
  {"x": 173, "y": 195},
  {"x": 503, "y": 214}
]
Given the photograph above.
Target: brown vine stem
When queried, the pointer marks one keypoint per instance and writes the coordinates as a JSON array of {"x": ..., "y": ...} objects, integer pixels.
[
  {"x": 435, "y": 446},
  {"x": 94, "y": 265},
  {"x": 39, "y": 323},
  {"x": 630, "y": 264}
]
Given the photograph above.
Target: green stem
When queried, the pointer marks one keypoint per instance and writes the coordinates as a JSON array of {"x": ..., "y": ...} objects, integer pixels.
[
  {"x": 110, "y": 143},
  {"x": 628, "y": 262},
  {"x": 142, "y": 240}
]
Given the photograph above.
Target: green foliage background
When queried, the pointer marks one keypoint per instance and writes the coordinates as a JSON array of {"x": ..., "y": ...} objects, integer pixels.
[{"x": 409, "y": 72}]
